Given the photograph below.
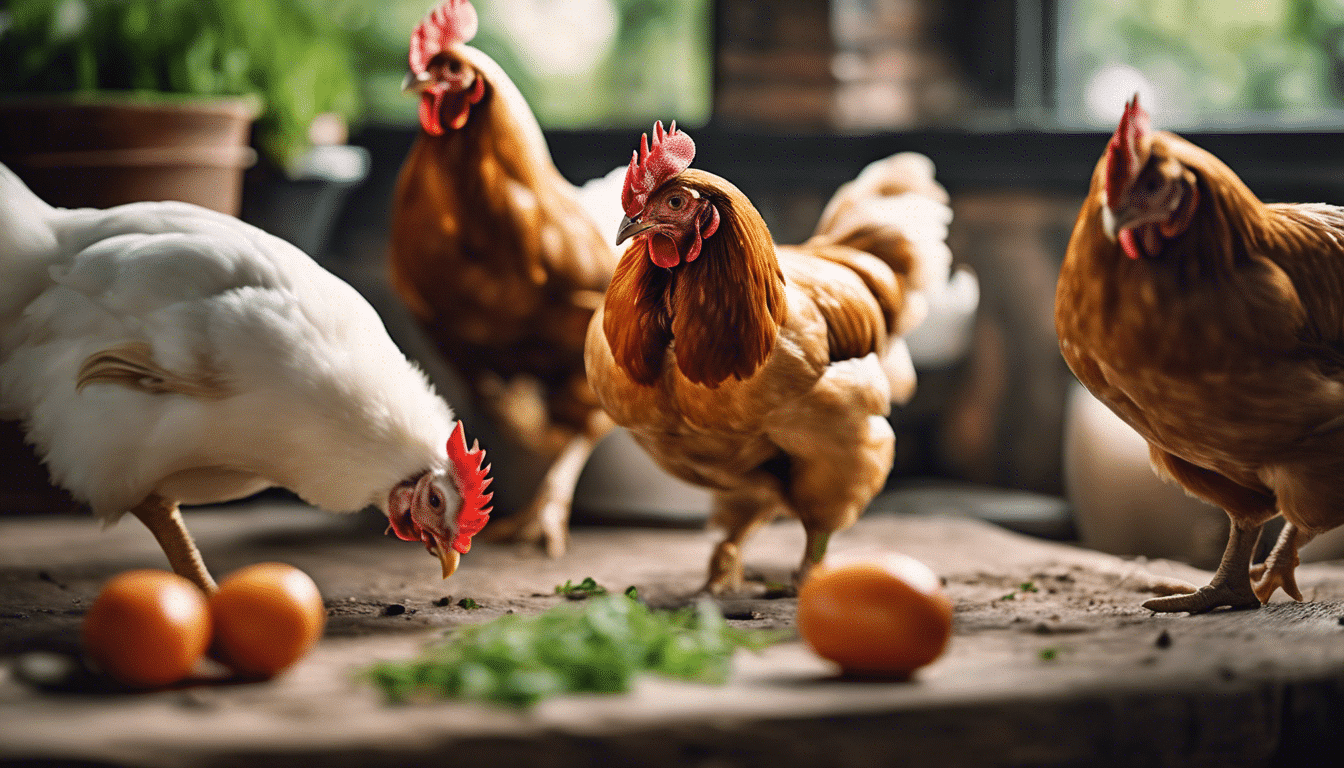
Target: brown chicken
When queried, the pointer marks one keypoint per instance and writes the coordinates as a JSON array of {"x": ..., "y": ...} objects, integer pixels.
[
  {"x": 1213, "y": 324},
  {"x": 766, "y": 373},
  {"x": 503, "y": 262}
]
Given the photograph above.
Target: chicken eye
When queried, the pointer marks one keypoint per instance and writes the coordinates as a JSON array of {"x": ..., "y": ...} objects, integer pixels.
[{"x": 675, "y": 202}]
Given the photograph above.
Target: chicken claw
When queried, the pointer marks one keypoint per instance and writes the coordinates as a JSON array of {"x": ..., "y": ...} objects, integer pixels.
[
  {"x": 725, "y": 569},
  {"x": 1206, "y": 599},
  {"x": 1230, "y": 586},
  {"x": 1268, "y": 579},
  {"x": 546, "y": 520},
  {"x": 1279, "y": 568}
]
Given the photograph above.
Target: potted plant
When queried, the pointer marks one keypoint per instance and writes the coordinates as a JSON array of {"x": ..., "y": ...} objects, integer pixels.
[{"x": 109, "y": 101}]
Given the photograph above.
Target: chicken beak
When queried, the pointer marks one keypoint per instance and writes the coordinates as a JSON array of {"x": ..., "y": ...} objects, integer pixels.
[
  {"x": 449, "y": 559},
  {"x": 631, "y": 227},
  {"x": 414, "y": 82}
]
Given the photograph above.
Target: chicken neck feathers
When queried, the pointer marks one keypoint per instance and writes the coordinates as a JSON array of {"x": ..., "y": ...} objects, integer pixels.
[
  {"x": 1226, "y": 349},
  {"x": 486, "y": 204},
  {"x": 879, "y": 251}
]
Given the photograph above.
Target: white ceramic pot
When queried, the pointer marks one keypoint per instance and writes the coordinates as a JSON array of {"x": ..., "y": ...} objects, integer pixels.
[{"x": 1120, "y": 505}]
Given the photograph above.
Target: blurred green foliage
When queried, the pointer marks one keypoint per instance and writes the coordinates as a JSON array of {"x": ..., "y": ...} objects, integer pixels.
[
  {"x": 656, "y": 64},
  {"x": 308, "y": 57},
  {"x": 296, "y": 55},
  {"x": 1212, "y": 60}
]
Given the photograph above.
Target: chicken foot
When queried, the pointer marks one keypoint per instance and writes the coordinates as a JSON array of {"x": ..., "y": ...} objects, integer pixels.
[
  {"x": 1280, "y": 567},
  {"x": 1231, "y": 584},
  {"x": 738, "y": 512},
  {"x": 813, "y": 553},
  {"x": 164, "y": 520},
  {"x": 546, "y": 519}
]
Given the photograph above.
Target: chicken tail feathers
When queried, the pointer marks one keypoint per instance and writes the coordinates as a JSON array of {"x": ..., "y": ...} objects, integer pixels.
[{"x": 897, "y": 211}]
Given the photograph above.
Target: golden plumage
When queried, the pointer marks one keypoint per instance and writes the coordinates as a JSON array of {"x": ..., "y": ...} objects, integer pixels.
[{"x": 1222, "y": 344}]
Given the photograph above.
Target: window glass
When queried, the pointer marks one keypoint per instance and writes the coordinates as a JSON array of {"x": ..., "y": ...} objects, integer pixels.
[{"x": 1202, "y": 63}]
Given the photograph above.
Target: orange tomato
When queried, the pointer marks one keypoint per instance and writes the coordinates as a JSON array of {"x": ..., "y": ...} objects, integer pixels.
[
  {"x": 266, "y": 617},
  {"x": 147, "y": 628},
  {"x": 884, "y": 617}
]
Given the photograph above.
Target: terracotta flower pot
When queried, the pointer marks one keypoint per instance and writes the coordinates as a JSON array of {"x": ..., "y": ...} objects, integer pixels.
[{"x": 102, "y": 151}]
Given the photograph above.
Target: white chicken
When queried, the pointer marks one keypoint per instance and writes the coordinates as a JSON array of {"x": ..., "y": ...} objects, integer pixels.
[{"x": 160, "y": 354}]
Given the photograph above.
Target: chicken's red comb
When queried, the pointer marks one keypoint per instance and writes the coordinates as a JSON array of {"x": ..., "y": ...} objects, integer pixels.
[
  {"x": 473, "y": 477},
  {"x": 452, "y": 22},
  {"x": 670, "y": 154},
  {"x": 1122, "y": 153}
]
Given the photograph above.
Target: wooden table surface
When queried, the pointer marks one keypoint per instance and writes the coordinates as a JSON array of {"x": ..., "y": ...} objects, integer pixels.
[{"x": 1075, "y": 673}]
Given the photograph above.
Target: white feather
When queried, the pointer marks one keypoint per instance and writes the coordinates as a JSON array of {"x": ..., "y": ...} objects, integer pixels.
[
  {"x": 601, "y": 198},
  {"x": 322, "y": 402}
]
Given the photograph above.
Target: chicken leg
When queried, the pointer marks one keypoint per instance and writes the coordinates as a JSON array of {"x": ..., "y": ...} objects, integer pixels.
[
  {"x": 738, "y": 513},
  {"x": 164, "y": 520},
  {"x": 1279, "y": 568},
  {"x": 1248, "y": 508},
  {"x": 1230, "y": 585},
  {"x": 546, "y": 519}
]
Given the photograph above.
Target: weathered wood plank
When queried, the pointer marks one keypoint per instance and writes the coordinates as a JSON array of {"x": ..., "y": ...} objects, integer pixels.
[{"x": 1121, "y": 687}]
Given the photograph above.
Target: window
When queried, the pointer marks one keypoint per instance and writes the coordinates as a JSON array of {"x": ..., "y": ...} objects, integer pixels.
[{"x": 1202, "y": 63}]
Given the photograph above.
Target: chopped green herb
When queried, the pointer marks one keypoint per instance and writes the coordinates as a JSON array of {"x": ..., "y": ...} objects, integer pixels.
[
  {"x": 1022, "y": 588},
  {"x": 468, "y": 603},
  {"x": 631, "y": 592},
  {"x": 1049, "y": 654},
  {"x": 584, "y": 589},
  {"x": 598, "y": 646}
]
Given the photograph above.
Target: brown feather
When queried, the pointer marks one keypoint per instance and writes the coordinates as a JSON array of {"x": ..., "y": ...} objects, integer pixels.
[
  {"x": 492, "y": 251},
  {"x": 721, "y": 312},
  {"x": 869, "y": 310},
  {"x": 1226, "y": 350},
  {"x": 132, "y": 365},
  {"x": 737, "y": 371},
  {"x": 636, "y": 320}
]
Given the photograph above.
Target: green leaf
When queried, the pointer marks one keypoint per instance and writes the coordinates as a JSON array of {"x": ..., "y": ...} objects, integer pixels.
[
  {"x": 599, "y": 646},
  {"x": 297, "y": 55},
  {"x": 584, "y": 589}
]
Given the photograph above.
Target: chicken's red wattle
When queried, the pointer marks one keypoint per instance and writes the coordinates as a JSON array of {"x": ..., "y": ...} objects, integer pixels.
[
  {"x": 663, "y": 251},
  {"x": 441, "y": 99},
  {"x": 1128, "y": 244}
]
